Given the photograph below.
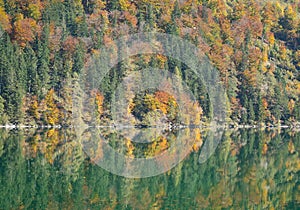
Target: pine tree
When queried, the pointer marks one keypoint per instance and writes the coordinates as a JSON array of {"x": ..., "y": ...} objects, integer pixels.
[
  {"x": 78, "y": 59},
  {"x": 43, "y": 55},
  {"x": 56, "y": 69},
  {"x": 113, "y": 5},
  {"x": 150, "y": 18},
  {"x": 32, "y": 75},
  {"x": 11, "y": 88},
  {"x": 251, "y": 112},
  {"x": 297, "y": 111},
  {"x": 70, "y": 15},
  {"x": 21, "y": 71},
  {"x": 260, "y": 113},
  {"x": 2, "y": 110},
  {"x": 245, "y": 111},
  {"x": 82, "y": 29},
  {"x": 176, "y": 13}
]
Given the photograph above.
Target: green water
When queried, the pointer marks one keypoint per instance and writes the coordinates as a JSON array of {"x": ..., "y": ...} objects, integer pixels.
[{"x": 248, "y": 170}]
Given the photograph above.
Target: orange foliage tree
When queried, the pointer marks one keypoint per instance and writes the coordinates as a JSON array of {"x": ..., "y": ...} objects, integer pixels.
[
  {"x": 99, "y": 100},
  {"x": 24, "y": 31},
  {"x": 164, "y": 100}
]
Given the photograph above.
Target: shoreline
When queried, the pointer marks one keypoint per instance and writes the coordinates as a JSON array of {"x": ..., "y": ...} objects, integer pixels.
[{"x": 170, "y": 127}]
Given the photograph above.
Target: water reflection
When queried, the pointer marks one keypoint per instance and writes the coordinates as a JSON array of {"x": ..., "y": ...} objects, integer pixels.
[
  {"x": 139, "y": 153},
  {"x": 248, "y": 170}
]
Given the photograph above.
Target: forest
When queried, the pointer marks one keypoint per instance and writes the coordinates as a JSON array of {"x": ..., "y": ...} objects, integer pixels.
[{"x": 45, "y": 45}]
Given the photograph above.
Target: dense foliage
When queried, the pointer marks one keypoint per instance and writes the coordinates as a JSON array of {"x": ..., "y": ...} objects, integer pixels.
[{"x": 45, "y": 45}]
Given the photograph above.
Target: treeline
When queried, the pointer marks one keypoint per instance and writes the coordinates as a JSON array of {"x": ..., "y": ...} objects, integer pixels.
[{"x": 46, "y": 44}]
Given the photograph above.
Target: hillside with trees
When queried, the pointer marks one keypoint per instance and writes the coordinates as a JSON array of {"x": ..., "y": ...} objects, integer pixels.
[{"x": 45, "y": 46}]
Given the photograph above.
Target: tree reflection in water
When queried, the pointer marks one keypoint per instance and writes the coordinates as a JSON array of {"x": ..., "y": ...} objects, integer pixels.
[{"x": 249, "y": 169}]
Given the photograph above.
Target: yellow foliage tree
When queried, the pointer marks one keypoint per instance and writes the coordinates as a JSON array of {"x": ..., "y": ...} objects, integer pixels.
[
  {"x": 52, "y": 137},
  {"x": 124, "y": 4},
  {"x": 34, "y": 11},
  {"x": 52, "y": 112},
  {"x": 33, "y": 109},
  {"x": 99, "y": 99},
  {"x": 4, "y": 20}
]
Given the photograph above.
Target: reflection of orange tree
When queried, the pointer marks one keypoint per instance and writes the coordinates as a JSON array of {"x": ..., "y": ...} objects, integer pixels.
[
  {"x": 56, "y": 146},
  {"x": 198, "y": 139},
  {"x": 117, "y": 142},
  {"x": 43, "y": 143},
  {"x": 157, "y": 143},
  {"x": 46, "y": 143},
  {"x": 130, "y": 148},
  {"x": 185, "y": 140},
  {"x": 33, "y": 145},
  {"x": 157, "y": 147},
  {"x": 97, "y": 154}
]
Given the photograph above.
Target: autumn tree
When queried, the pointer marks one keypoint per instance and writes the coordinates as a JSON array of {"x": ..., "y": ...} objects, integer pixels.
[
  {"x": 4, "y": 19},
  {"x": 289, "y": 23},
  {"x": 24, "y": 30},
  {"x": 52, "y": 114}
]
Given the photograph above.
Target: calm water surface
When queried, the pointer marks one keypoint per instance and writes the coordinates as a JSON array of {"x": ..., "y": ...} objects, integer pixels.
[{"x": 248, "y": 170}]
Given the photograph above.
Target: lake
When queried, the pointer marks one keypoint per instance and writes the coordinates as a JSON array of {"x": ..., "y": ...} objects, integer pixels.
[{"x": 235, "y": 169}]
